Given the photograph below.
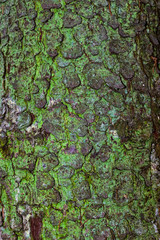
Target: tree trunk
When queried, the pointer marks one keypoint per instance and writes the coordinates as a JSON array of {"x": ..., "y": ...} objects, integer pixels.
[{"x": 80, "y": 119}]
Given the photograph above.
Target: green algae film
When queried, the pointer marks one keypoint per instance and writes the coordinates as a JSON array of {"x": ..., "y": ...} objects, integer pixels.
[{"x": 79, "y": 115}]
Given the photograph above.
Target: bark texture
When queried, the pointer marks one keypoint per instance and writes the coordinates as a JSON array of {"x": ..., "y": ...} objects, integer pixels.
[{"x": 80, "y": 119}]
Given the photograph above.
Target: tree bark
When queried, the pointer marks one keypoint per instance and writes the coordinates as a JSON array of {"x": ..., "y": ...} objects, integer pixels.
[{"x": 80, "y": 119}]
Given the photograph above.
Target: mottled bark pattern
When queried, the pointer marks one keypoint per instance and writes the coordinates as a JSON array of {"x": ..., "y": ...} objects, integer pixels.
[{"x": 80, "y": 119}]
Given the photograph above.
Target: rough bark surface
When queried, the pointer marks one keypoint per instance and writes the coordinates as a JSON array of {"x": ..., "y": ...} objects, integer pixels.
[{"x": 80, "y": 119}]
